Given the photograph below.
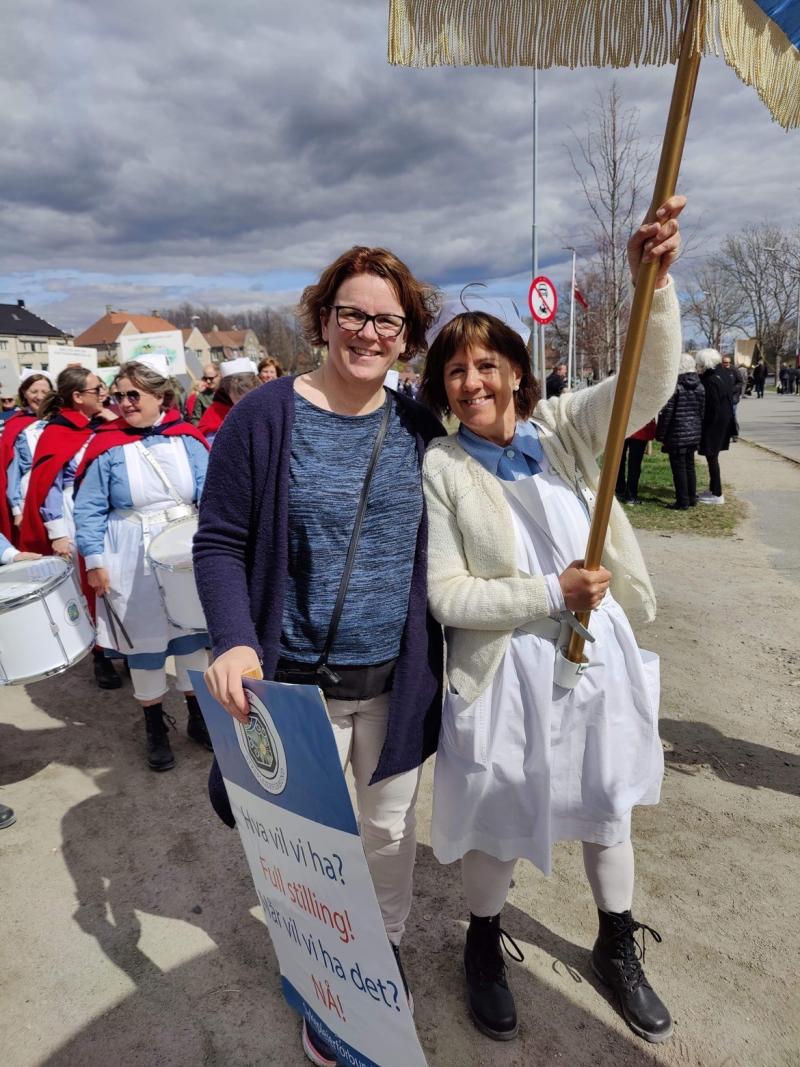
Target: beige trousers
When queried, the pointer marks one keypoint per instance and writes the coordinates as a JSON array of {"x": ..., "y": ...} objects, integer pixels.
[{"x": 386, "y": 811}]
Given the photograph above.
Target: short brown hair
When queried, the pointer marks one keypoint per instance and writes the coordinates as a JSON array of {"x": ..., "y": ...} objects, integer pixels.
[
  {"x": 268, "y": 361},
  {"x": 26, "y": 383},
  {"x": 420, "y": 302},
  {"x": 470, "y": 330}
]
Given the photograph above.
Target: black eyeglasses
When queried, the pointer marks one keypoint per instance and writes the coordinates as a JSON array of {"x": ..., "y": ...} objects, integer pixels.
[
  {"x": 354, "y": 320},
  {"x": 133, "y": 396},
  {"x": 98, "y": 389},
  {"x": 212, "y": 379}
]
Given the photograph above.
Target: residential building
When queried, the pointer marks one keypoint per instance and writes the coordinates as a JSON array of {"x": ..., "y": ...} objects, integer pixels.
[
  {"x": 25, "y": 337},
  {"x": 105, "y": 334},
  {"x": 231, "y": 344}
]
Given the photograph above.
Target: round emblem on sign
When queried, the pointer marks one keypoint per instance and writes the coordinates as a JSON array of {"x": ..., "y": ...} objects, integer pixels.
[
  {"x": 72, "y": 612},
  {"x": 262, "y": 747}
]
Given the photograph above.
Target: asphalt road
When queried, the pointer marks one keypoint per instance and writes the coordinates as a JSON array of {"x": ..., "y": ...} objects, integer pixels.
[{"x": 773, "y": 422}]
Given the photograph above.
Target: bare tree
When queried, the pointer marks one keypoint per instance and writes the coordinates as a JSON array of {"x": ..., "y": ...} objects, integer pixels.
[
  {"x": 713, "y": 302},
  {"x": 612, "y": 167},
  {"x": 276, "y": 329},
  {"x": 760, "y": 262}
]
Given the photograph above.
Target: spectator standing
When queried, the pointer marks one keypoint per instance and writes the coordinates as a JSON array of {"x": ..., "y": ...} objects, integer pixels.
[
  {"x": 717, "y": 419},
  {"x": 738, "y": 383},
  {"x": 630, "y": 464},
  {"x": 557, "y": 380},
  {"x": 680, "y": 425},
  {"x": 205, "y": 398},
  {"x": 759, "y": 378},
  {"x": 784, "y": 376}
]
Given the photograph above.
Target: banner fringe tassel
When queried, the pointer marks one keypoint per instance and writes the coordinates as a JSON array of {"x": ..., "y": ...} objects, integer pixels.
[{"x": 598, "y": 33}]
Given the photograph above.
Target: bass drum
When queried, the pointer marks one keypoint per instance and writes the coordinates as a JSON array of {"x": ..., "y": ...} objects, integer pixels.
[
  {"x": 170, "y": 556},
  {"x": 45, "y": 626}
]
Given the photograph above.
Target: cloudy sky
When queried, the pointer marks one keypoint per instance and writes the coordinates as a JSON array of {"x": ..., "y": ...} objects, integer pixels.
[{"x": 160, "y": 150}]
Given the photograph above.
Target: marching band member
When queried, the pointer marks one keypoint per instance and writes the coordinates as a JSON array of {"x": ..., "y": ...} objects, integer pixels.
[
  {"x": 71, "y": 415},
  {"x": 22, "y": 425},
  {"x": 10, "y": 554},
  {"x": 523, "y": 760},
  {"x": 238, "y": 377},
  {"x": 139, "y": 473},
  {"x": 277, "y": 517}
]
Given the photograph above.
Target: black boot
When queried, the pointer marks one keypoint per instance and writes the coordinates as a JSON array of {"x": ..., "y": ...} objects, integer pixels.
[
  {"x": 104, "y": 673},
  {"x": 196, "y": 727},
  {"x": 615, "y": 961},
  {"x": 491, "y": 1002},
  {"x": 159, "y": 754}
]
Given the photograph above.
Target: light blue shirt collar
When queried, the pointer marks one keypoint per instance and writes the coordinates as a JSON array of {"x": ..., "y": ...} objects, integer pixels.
[{"x": 520, "y": 459}]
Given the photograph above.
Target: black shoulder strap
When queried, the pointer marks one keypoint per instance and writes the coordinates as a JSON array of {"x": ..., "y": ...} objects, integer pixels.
[{"x": 322, "y": 665}]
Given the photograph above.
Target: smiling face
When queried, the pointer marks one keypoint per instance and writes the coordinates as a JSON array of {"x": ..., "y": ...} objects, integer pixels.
[
  {"x": 143, "y": 412},
  {"x": 480, "y": 392},
  {"x": 35, "y": 394},
  {"x": 362, "y": 359},
  {"x": 268, "y": 373},
  {"x": 87, "y": 399}
]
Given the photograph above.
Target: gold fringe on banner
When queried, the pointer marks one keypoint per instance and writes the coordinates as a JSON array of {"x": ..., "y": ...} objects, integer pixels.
[{"x": 597, "y": 33}]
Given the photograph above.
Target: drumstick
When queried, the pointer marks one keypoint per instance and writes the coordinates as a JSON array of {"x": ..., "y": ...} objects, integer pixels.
[{"x": 254, "y": 672}]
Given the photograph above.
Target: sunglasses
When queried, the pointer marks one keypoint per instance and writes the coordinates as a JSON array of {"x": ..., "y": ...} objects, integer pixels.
[
  {"x": 98, "y": 390},
  {"x": 133, "y": 396},
  {"x": 213, "y": 378}
]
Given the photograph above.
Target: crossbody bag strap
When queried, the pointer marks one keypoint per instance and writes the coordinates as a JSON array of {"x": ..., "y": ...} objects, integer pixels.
[
  {"x": 322, "y": 665},
  {"x": 159, "y": 470}
]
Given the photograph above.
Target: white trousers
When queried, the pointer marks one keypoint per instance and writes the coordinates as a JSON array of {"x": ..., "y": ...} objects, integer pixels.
[
  {"x": 150, "y": 685},
  {"x": 386, "y": 810},
  {"x": 609, "y": 869}
]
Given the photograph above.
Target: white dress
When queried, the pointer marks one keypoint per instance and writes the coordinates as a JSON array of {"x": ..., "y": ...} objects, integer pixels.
[
  {"x": 134, "y": 591},
  {"x": 529, "y": 763}
]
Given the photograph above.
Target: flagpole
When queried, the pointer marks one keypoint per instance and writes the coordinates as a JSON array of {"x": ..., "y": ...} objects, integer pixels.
[
  {"x": 666, "y": 180},
  {"x": 571, "y": 342},
  {"x": 534, "y": 234}
]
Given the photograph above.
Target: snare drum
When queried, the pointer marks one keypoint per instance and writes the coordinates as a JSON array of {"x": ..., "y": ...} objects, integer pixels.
[
  {"x": 170, "y": 556},
  {"x": 45, "y": 625}
]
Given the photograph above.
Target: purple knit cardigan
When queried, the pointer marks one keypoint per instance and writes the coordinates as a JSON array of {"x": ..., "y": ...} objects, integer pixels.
[{"x": 241, "y": 563}]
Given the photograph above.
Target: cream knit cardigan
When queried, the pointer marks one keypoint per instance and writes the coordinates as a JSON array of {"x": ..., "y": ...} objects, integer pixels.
[{"x": 474, "y": 587}]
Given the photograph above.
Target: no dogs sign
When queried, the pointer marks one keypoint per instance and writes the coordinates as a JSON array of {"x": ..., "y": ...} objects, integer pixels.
[{"x": 542, "y": 300}]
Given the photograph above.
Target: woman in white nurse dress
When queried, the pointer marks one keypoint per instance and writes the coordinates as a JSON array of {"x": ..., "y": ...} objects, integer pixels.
[{"x": 524, "y": 761}]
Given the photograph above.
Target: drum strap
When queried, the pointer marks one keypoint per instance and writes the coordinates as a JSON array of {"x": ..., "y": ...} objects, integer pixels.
[{"x": 147, "y": 455}]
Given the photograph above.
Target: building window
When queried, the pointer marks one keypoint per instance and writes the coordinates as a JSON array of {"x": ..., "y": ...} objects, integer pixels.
[{"x": 3, "y": 345}]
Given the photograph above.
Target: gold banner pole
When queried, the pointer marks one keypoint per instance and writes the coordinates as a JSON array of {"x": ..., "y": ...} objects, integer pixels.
[{"x": 666, "y": 181}]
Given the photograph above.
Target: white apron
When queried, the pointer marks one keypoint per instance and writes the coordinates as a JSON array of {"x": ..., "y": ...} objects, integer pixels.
[
  {"x": 32, "y": 434},
  {"x": 529, "y": 763},
  {"x": 68, "y": 494},
  {"x": 134, "y": 592}
]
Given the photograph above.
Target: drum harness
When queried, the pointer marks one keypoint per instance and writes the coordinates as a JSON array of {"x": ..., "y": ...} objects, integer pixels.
[{"x": 149, "y": 519}]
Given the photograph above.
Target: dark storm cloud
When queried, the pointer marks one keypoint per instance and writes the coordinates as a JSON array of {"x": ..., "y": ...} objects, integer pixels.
[{"x": 146, "y": 137}]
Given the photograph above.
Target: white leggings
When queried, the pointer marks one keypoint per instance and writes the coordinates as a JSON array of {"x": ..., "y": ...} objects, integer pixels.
[
  {"x": 150, "y": 685},
  {"x": 609, "y": 869}
]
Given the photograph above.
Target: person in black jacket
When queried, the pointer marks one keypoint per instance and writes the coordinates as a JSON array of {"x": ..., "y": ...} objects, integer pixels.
[
  {"x": 759, "y": 379},
  {"x": 679, "y": 428},
  {"x": 717, "y": 419}
]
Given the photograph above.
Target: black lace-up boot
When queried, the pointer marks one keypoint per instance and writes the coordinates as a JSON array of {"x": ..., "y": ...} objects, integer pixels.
[
  {"x": 616, "y": 962},
  {"x": 491, "y": 1002},
  {"x": 104, "y": 673},
  {"x": 196, "y": 727},
  {"x": 159, "y": 753}
]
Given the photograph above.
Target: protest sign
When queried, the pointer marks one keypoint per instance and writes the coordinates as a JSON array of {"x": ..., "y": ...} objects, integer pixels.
[
  {"x": 61, "y": 356},
  {"x": 299, "y": 833},
  {"x": 167, "y": 343},
  {"x": 9, "y": 377}
]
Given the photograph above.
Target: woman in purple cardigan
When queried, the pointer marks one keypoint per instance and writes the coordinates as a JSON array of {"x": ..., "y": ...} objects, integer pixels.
[{"x": 276, "y": 518}]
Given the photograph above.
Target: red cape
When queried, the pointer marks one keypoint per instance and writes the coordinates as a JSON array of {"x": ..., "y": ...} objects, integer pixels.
[
  {"x": 11, "y": 431},
  {"x": 60, "y": 441},
  {"x": 213, "y": 417},
  {"x": 119, "y": 432}
]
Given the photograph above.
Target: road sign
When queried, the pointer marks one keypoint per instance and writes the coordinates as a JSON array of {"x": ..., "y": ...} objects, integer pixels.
[{"x": 542, "y": 300}]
